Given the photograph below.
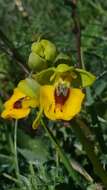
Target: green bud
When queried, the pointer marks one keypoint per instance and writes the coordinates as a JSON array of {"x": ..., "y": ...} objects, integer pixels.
[
  {"x": 45, "y": 49},
  {"x": 49, "y": 50},
  {"x": 38, "y": 49},
  {"x": 36, "y": 63}
]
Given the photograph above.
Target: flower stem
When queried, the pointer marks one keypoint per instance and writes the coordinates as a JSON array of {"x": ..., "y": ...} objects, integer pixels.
[
  {"x": 64, "y": 158},
  {"x": 15, "y": 150}
]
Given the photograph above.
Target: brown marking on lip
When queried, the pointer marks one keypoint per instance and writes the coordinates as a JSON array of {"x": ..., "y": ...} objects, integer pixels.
[{"x": 18, "y": 104}]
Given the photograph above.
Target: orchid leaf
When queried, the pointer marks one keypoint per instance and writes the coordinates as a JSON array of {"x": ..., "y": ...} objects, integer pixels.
[{"x": 81, "y": 170}]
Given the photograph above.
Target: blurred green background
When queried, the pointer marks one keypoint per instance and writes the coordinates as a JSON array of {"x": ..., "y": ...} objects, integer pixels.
[{"x": 21, "y": 23}]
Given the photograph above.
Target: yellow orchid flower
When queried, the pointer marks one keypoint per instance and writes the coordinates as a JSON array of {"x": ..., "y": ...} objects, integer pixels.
[
  {"x": 57, "y": 101},
  {"x": 18, "y": 106},
  {"x": 60, "y": 101}
]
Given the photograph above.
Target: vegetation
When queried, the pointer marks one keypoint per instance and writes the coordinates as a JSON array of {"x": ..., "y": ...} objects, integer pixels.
[{"x": 57, "y": 154}]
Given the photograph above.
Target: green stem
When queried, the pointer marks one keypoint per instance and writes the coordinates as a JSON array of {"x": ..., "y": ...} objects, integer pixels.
[
  {"x": 37, "y": 119},
  {"x": 64, "y": 158},
  {"x": 89, "y": 148},
  {"x": 15, "y": 150}
]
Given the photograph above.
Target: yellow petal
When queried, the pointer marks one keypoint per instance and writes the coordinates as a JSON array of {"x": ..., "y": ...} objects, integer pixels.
[
  {"x": 71, "y": 107},
  {"x": 47, "y": 98},
  {"x": 15, "y": 97},
  {"x": 15, "y": 113},
  {"x": 30, "y": 102},
  {"x": 73, "y": 104}
]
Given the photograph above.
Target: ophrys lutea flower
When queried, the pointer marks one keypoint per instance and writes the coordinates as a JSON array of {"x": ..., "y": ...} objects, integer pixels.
[
  {"x": 18, "y": 105},
  {"x": 58, "y": 101},
  {"x": 61, "y": 101}
]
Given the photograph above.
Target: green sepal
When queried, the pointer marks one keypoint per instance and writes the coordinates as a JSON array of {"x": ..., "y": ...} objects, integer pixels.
[
  {"x": 44, "y": 76},
  {"x": 79, "y": 77},
  {"x": 62, "y": 58},
  {"x": 87, "y": 78},
  {"x": 48, "y": 75},
  {"x": 62, "y": 68},
  {"x": 30, "y": 87}
]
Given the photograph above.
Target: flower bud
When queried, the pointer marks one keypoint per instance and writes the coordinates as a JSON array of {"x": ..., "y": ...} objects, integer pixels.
[
  {"x": 42, "y": 52},
  {"x": 45, "y": 49},
  {"x": 36, "y": 63},
  {"x": 49, "y": 50},
  {"x": 38, "y": 49}
]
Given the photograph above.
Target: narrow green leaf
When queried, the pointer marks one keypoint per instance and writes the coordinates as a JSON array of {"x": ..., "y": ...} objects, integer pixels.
[{"x": 81, "y": 170}]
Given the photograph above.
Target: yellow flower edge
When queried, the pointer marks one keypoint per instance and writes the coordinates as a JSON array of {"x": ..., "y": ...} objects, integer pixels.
[
  {"x": 18, "y": 105},
  {"x": 15, "y": 113},
  {"x": 17, "y": 94},
  {"x": 71, "y": 107}
]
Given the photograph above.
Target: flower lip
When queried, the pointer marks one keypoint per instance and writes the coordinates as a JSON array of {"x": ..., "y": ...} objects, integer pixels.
[{"x": 58, "y": 105}]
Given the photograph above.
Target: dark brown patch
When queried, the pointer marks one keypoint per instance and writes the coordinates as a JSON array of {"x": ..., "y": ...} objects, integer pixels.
[{"x": 18, "y": 104}]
